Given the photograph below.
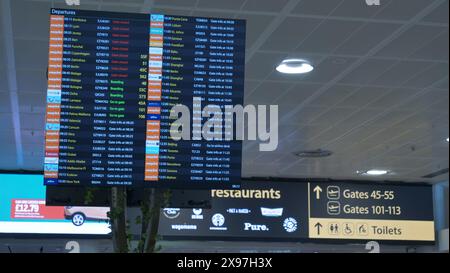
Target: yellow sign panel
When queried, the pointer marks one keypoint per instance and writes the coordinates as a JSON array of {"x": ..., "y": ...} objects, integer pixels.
[{"x": 360, "y": 229}]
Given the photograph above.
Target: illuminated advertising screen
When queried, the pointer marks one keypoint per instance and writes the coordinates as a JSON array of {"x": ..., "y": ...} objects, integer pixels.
[
  {"x": 335, "y": 211},
  {"x": 113, "y": 79},
  {"x": 23, "y": 211}
]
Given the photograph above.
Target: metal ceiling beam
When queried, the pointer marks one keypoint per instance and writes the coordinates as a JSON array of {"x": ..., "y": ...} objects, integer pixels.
[{"x": 8, "y": 40}]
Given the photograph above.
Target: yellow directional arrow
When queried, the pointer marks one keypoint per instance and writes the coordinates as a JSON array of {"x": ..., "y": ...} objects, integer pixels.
[{"x": 318, "y": 191}]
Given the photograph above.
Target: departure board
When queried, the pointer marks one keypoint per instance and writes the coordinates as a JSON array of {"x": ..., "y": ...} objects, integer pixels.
[{"x": 113, "y": 79}]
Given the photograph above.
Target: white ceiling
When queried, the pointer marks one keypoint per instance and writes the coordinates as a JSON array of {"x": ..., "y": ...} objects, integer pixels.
[{"x": 378, "y": 98}]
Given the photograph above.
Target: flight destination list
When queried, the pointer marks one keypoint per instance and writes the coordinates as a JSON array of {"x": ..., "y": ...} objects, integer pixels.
[{"x": 113, "y": 79}]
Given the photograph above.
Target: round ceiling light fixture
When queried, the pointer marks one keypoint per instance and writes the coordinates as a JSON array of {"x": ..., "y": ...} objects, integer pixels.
[
  {"x": 374, "y": 172},
  {"x": 294, "y": 66}
]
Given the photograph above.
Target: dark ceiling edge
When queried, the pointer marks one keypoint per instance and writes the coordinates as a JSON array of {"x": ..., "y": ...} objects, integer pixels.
[
  {"x": 437, "y": 173},
  {"x": 20, "y": 172}
]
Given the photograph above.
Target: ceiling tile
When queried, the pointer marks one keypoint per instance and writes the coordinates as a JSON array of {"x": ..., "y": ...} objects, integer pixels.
[
  {"x": 261, "y": 65},
  {"x": 402, "y": 9},
  {"x": 333, "y": 116},
  {"x": 298, "y": 93},
  {"x": 329, "y": 68},
  {"x": 256, "y": 25},
  {"x": 410, "y": 41},
  {"x": 35, "y": 137},
  {"x": 267, "y": 93},
  {"x": 358, "y": 118},
  {"x": 250, "y": 86},
  {"x": 32, "y": 121},
  {"x": 32, "y": 81},
  {"x": 2, "y": 53},
  {"x": 307, "y": 132},
  {"x": 429, "y": 77},
  {"x": 121, "y": 8},
  {"x": 6, "y": 136},
  {"x": 87, "y": 5},
  {"x": 32, "y": 102},
  {"x": 36, "y": 59},
  {"x": 5, "y": 103},
  {"x": 394, "y": 97},
  {"x": 389, "y": 119},
  {"x": 210, "y": 14},
  {"x": 401, "y": 73},
  {"x": 265, "y": 5},
  {"x": 366, "y": 38},
  {"x": 220, "y": 4},
  {"x": 363, "y": 96},
  {"x": 169, "y": 11},
  {"x": 6, "y": 121},
  {"x": 439, "y": 15},
  {"x": 39, "y": 19},
  {"x": 436, "y": 49},
  {"x": 176, "y": 3},
  {"x": 368, "y": 71},
  {"x": 328, "y": 35},
  {"x": 3, "y": 81},
  {"x": 9, "y": 162},
  {"x": 284, "y": 39},
  {"x": 359, "y": 9},
  {"x": 306, "y": 114},
  {"x": 314, "y": 7},
  {"x": 333, "y": 95}
]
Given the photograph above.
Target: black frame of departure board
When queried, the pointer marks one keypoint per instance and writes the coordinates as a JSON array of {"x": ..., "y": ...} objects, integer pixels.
[{"x": 180, "y": 184}]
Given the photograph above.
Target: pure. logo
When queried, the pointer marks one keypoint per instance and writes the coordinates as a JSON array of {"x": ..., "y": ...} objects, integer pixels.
[{"x": 248, "y": 226}]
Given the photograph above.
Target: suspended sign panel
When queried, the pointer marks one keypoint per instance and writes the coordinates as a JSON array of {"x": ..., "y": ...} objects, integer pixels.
[{"x": 309, "y": 211}]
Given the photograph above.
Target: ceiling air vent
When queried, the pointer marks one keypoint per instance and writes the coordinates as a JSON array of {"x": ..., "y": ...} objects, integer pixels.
[
  {"x": 314, "y": 153},
  {"x": 436, "y": 174}
]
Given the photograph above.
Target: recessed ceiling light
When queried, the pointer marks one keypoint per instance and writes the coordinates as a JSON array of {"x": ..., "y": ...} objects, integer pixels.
[
  {"x": 314, "y": 153},
  {"x": 374, "y": 172},
  {"x": 447, "y": 139},
  {"x": 339, "y": 61},
  {"x": 295, "y": 66}
]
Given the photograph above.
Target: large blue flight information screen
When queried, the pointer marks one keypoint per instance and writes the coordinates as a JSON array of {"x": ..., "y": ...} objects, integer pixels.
[{"x": 113, "y": 79}]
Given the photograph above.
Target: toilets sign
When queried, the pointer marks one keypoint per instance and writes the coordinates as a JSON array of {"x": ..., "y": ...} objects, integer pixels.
[{"x": 371, "y": 212}]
